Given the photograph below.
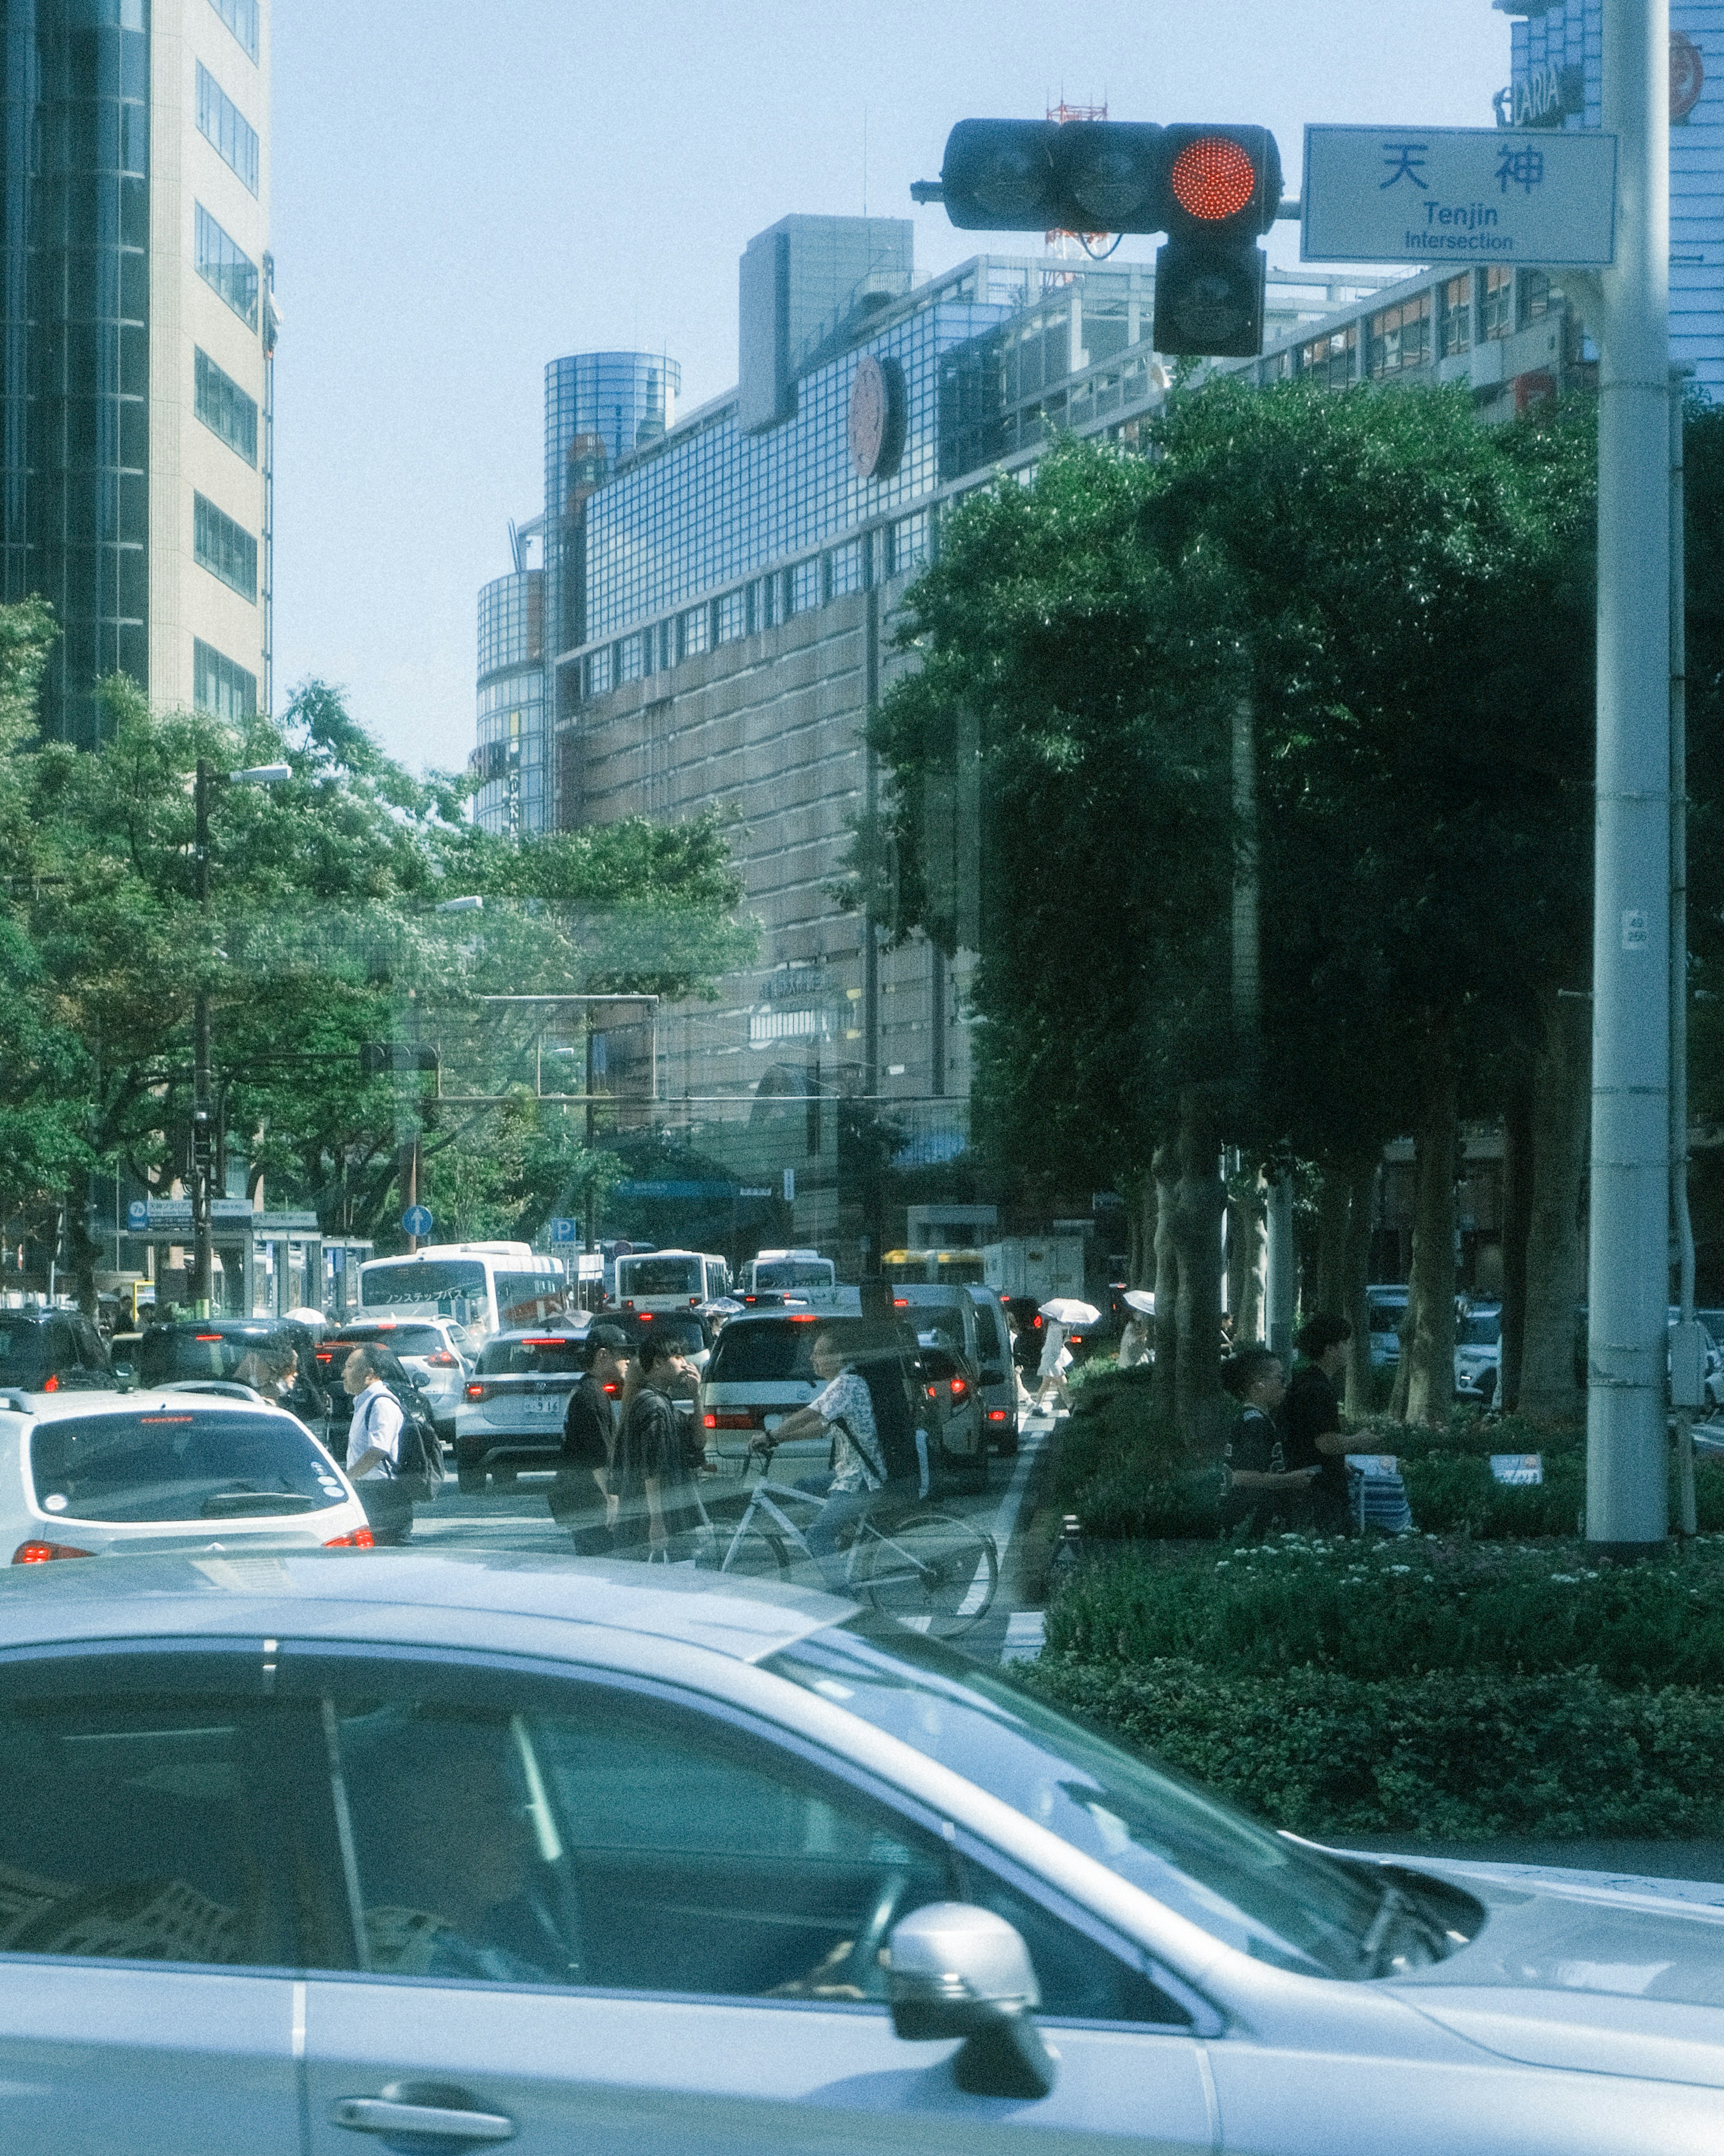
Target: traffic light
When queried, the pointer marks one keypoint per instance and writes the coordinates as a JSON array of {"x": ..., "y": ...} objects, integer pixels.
[
  {"x": 203, "y": 1143},
  {"x": 1212, "y": 190},
  {"x": 1224, "y": 188},
  {"x": 377, "y": 1057}
]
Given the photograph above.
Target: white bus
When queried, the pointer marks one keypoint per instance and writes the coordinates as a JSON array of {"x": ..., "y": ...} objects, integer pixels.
[
  {"x": 803, "y": 1274},
  {"x": 487, "y": 1287},
  {"x": 670, "y": 1280}
]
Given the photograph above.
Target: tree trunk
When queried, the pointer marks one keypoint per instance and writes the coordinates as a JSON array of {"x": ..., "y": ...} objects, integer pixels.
[
  {"x": 1143, "y": 1235},
  {"x": 1430, "y": 1352},
  {"x": 1355, "y": 1304},
  {"x": 1165, "y": 1286},
  {"x": 1333, "y": 1197},
  {"x": 1517, "y": 1221},
  {"x": 82, "y": 1249},
  {"x": 1562, "y": 1089},
  {"x": 1200, "y": 1405},
  {"x": 1248, "y": 1260}
]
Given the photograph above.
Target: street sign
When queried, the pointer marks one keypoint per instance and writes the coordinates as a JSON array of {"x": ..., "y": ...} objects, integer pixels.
[
  {"x": 564, "y": 1231},
  {"x": 417, "y": 1221},
  {"x": 137, "y": 1215},
  {"x": 1469, "y": 195},
  {"x": 589, "y": 1265}
]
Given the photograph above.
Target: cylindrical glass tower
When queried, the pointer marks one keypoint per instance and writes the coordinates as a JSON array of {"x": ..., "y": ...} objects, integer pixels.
[
  {"x": 599, "y": 406},
  {"x": 513, "y": 734}
]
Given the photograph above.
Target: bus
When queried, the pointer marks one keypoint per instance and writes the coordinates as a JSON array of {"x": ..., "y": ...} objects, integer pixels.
[
  {"x": 487, "y": 1287},
  {"x": 670, "y": 1280},
  {"x": 786, "y": 1272}
]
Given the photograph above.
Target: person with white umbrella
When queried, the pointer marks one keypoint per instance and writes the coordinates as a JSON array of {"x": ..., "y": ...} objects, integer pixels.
[
  {"x": 1062, "y": 1312},
  {"x": 1136, "y": 1342}
]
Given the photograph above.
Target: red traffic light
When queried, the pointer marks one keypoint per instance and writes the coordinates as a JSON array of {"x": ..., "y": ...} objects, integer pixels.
[{"x": 1213, "y": 178}]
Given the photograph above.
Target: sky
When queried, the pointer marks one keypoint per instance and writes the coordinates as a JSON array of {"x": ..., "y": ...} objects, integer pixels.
[{"x": 464, "y": 189}]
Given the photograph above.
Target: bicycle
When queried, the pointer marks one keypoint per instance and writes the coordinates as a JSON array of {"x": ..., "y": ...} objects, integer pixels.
[{"x": 923, "y": 1568}]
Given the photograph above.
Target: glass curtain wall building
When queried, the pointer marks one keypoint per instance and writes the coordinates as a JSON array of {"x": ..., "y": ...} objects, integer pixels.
[
  {"x": 510, "y": 759},
  {"x": 133, "y": 174}
]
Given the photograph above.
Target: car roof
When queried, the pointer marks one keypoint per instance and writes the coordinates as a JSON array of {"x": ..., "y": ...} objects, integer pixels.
[
  {"x": 503, "y": 1601},
  {"x": 228, "y": 1327},
  {"x": 552, "y": 1329},
  {"x": 156, "y": 1400}
]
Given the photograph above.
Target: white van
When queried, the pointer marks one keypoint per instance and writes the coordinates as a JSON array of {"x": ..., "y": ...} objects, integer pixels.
[
  {"x": 670, "y": 1280},
  {"x": 487, "y": 1287}
]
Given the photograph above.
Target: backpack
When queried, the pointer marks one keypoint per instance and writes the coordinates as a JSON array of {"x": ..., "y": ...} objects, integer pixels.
[
  {"x": 895, "y": 1425},
  {"x": 418, "y": 1466}
]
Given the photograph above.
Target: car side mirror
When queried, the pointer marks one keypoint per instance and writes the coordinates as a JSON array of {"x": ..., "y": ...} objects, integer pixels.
[{"x": 953, "y": 1970}]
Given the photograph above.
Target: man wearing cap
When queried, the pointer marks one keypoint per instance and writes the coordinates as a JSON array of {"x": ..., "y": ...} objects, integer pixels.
[{"x": 579, "y": 1497}]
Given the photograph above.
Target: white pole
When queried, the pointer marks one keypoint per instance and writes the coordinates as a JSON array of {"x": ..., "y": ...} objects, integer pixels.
[
  {"x": 1629, "y": 1265},
  {"x": 1281, "y": 1279},
  {"x": 1687, "y": 1364}
]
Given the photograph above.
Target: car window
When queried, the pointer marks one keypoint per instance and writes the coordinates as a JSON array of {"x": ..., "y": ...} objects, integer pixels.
[
  {"x": 402, "y": 1339},
  {"x": 555, "y": 1354},
  {"x": 689, "y": 1330},
  {"x": 1484, "y": 1329},
  {"x": 769, "y": 1351},
  {"x": 627, "y": 1844},
  {"x": 23, "y": 1351},
  {"x": 179, "y": 1464},
  {"x": 149, "y": 1828}
]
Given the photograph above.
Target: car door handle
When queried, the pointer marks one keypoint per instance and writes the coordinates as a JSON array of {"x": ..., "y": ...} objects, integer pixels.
[{"x": 406, "y": 2107}]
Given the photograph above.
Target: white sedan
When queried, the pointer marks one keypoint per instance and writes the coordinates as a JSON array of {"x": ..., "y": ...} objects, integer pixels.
[
  {"x": 452, "y": 1851},
  {"x": 90, "y": 1473}
]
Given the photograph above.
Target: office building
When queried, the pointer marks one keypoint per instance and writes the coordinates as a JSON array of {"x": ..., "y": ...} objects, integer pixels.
[
  {"x": 138, "y": 332},
  {"x": 1557, "y": 81}
]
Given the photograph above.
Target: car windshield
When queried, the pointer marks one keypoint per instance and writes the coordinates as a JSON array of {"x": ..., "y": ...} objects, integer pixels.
[
  {"x": 553, "y": 1354},
  {"x": 1386, "y": 1317},
  {"x": 155, "y": 1464},
  {"x": 686, "y": 1330},
  {"x": 404, "y": 1339},
  {"x": 1483, "y": 1329},
  {"x": 1269, "y": 1897}
]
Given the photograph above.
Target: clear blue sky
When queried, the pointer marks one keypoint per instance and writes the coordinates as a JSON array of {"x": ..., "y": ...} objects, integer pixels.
[{"x": 463, "y": 191}]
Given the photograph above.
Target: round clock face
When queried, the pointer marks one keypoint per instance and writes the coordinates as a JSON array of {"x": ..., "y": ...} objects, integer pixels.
[
  {"x": 1688, "y": 76},
  {"x": 871, "y": 416}
]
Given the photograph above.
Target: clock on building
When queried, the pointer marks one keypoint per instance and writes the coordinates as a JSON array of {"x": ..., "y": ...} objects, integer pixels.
[{"x": 876, "y": 416}]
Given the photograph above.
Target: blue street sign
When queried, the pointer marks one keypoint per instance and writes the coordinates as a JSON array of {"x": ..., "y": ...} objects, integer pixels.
[
  {"x": 137, "y": 1216},
  {"x": 563, "y": 1231},
  {"x": 417, "y": 1221}
]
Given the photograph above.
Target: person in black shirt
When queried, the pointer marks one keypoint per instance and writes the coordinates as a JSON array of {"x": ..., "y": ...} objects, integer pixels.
[
  {"x": 1310, "y": 1418},
  {"x": 1262, "y": 1489},
  {"x": 580, "y": 1497}
]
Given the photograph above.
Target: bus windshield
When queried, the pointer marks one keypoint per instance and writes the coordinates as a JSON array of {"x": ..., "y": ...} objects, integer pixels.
[
  {"x": 794, "y": 1272},
  {"x": 423, "y": 1280},
  {"x": 639, "y": 1277}
]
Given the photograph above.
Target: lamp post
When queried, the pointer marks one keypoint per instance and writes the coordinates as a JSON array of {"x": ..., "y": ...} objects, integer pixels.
[{"x": 203, "y": 1105}]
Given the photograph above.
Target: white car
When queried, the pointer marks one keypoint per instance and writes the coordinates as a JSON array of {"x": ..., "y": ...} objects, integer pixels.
[
  {"x": 1478, "y": 1353},
  {"x": 436, "y": 1353},
  {"x": 94, "y": 1474},
  {"x": 464, "y": 1850}
]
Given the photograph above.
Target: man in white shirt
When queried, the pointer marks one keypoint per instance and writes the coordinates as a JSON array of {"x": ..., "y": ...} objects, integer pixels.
[
  {"x": 845, "y": 1411},
  {"x": 374, "y": 1449}
]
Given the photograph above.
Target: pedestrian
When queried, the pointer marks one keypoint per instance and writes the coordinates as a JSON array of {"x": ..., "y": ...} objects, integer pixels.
[
  {"x": 843, "y": 1411},
  {"x": 374, "y": 1449},
  {"x": 655, "y": 1465},
  {"x": 1261, "y": 1488},
  {"x": 579, "y": 1497},
  {"x": 1310, "y": 1420},
  {"x": 1056, "y": 1362},
  {"x": 1136, "y": 1342}
]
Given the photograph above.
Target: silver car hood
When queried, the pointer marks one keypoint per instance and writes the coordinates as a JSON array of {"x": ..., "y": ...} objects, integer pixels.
[{"x": 1587, "y": 1978}]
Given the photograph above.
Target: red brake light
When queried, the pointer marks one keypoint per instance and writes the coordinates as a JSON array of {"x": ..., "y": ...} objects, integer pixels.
[
  {"x": 803, "y": 1317},
  {"x": 900, "y": 1302},
  {"x": 558, "y": 1341},
  {"x": 206, "y": 1336},
  {"x": 361, "y": 1538},
  {"x": 647, "y": 1315},
  {"x": 53, "y": 1382},
  {"x": 710, "y": 1421},
  {"x": 35, "y": 1552},
  {"x": 1213, "y": 178},
  {"x": 997, "y": 1414},
  {"x": 694, "y": 1302},
  {"x": 933, "y": 1392},
  {"x": 960, "y": 1386},
  {"x": 730, "y": 1420},
  {"x": 445, "y": 1361},
  {"x": 476, "y": 1392},
  {"x": 611, "y": 1389}
]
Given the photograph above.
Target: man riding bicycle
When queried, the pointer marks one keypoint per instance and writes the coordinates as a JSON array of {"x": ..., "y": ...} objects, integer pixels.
[{"x": 844, "y": 1410}]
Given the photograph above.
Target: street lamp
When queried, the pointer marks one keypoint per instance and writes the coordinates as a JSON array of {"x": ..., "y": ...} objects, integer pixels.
[{"x": 203, "y": 1117}]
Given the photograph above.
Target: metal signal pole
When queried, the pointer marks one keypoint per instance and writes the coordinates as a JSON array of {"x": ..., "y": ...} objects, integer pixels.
[{"x": 1629, "y": 1260}]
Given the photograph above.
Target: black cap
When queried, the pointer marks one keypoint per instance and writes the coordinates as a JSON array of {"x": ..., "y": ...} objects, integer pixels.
[{"x": 606, "y": 1336}]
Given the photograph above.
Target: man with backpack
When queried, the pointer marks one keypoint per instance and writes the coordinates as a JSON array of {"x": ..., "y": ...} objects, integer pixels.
[
  {"x": 865, "y": 1457},
  {"x": 394, "y": 1456}
]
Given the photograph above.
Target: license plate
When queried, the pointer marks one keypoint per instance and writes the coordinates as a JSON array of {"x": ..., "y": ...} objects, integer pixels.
[{"x": 536, "y": 1407}]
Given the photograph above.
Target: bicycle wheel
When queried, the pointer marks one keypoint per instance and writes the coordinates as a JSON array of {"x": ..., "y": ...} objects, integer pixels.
[
  {"x": 756, "y": 1553},
  {"x": 930, "y": 1572}
]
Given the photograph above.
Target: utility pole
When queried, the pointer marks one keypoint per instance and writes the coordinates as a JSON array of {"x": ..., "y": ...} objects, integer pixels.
[{"x": 1629, "y": 1258}]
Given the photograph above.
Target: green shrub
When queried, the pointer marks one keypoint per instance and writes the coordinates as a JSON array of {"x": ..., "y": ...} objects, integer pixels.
[
  {"x": 1454, "y": 1755},
  {"x": 1381, "y": 1611}
]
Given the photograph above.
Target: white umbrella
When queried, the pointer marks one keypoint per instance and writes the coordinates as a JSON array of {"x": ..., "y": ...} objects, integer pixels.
[
  {"x": 306, "y": 1316},
  {"x": 1066, "y": 1310},
  {"x": 1140, "y": 1299}
]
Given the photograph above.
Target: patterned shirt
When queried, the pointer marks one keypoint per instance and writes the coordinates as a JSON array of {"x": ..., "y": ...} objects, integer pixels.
[{"x": 847, "y": 1411}]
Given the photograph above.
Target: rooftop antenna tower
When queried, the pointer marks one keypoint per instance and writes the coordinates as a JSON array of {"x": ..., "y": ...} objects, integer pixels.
[{"x": 1066, "y": 246}]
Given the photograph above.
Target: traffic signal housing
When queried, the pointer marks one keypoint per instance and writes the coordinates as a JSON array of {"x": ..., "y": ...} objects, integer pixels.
[
  {"x": 1213, "y": 190},
  {"x": 377, "y": 1057}
]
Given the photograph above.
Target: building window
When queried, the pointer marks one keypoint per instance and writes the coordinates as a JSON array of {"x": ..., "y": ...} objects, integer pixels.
[
  {"x": 1456, "y": 330},
  {"x": 628, "y": 658},
  {"x": 241, "y": 17},
  {"x": 1399, "y": 337},
  {"x": 1330, "y": 358},
  {"x": 907, "y": 542},
  {"x": 226, "y": 549},
  {"x": 691, "y": 632},
  {"x": 1496, "y": 305},
  {"x": 227, "y": 268},
  {"x": 806, "y": 587},
  {"x": 220, "y": 685},
  {"x": 849, "y": 568},
  {"x": 226, "y": 129},
  {"x": 1539, "y": 297},
  {"x": 732, "y": 617},
  {"x": 224, "y": 408}
]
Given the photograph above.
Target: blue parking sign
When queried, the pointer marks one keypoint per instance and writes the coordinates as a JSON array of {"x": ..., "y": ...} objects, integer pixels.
[{"x": 563, "y": 1231}]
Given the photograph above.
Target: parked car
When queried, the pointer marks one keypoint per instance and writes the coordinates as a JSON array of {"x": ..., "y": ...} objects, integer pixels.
[
  {"x": 993, "y": 1360},
  {"x": 514, "y": 1404},
  {"x": 1478, "y": 1353},
  {"x": 87, "y": 1474},
  {"x": 458, "y": 1850},
  {"x": 43, "y": 1350},
  {"x": 1387, "y": 1308},
  {"x": 954, "y": 1417},
  {"x": 436, "y": 1353}
]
